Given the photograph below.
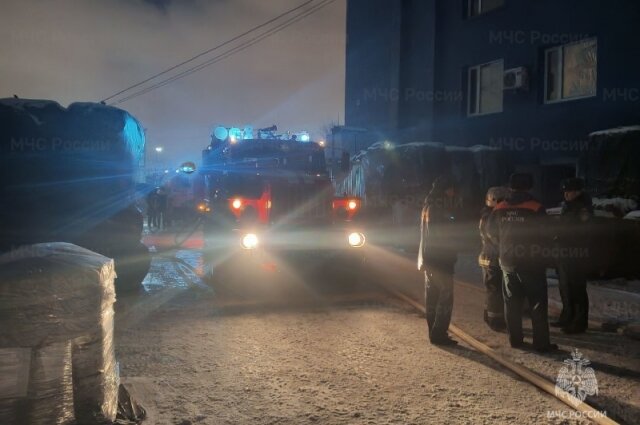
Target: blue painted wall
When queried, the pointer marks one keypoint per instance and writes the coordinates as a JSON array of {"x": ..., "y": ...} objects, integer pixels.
[
  {"x": 407, "y": 66},
  {"x": 519, "y": 33}
]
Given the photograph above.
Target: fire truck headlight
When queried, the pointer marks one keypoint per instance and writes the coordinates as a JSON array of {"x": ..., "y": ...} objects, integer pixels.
[
  {"x": 356, "y": 239},
  {"x": 352, "y": 205},
  {"x": 236, "y": 203},
  {"x": 249, "y": 241}
]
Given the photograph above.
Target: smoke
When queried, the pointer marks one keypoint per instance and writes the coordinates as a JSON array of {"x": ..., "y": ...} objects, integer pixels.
[{"x": 86, "y": 50}]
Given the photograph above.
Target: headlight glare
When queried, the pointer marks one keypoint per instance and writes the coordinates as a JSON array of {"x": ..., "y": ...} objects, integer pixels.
[
  {"x": 249, "y": 241},
  {"x": 356, "y": 240}
]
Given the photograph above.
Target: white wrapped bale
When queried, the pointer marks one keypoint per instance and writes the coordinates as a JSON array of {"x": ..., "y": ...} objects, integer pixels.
[
  {"x": 14, "y": 370},
  {"x": 37, "y": 388},
  {"x": 95, "y": 373},
  {"x": 50, "y": 394},
  {"x": 53, "y": 294}
]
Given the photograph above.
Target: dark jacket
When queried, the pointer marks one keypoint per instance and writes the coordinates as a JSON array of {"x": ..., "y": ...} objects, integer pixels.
[
  {"x": 489, "y": 254},
  {"x": 516, "y": 226},
  {"x": 574, "y": 236},
  {"x": 579, "y": 208},
  {"x": 153, "y": 202},
  {"x": 439, "y": 232}
]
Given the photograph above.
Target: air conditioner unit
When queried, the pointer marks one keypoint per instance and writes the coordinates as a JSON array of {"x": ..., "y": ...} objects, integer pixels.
[{"x": 516, "y": 78}]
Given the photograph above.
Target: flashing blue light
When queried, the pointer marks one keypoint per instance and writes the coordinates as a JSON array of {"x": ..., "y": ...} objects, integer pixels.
[
  {"x": 221, "y": 133},
  {"x": 235, "y": 134},
  {"x": 303, "y": 136},
  {"x": 187, "y": 168},
  {"x": 248, "y": 132}
]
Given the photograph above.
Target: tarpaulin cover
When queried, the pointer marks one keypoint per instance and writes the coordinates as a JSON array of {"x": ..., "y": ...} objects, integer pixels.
[
  {"x": 385, "y": 174},
  {"x": 64, "y": 170}
]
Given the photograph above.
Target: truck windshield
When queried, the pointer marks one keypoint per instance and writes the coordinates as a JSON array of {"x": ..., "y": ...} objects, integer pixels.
[
  {"x": 269, "y": 154},
  {"x": 246, "y": 186}
]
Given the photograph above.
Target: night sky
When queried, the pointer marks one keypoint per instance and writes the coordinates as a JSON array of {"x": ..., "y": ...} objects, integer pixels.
[{"x": 86, "y": 50}]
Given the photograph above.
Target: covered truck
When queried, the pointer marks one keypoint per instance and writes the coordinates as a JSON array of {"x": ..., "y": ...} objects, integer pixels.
[
  {"x": 393, "y": 181},
  {"x": 611, "y": 169},
  {"x": 70, "y": 175}
]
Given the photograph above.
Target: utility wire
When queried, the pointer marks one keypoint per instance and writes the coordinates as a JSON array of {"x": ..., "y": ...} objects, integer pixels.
[
  {"x": 237, "y": 37},
  {"x": 230, "y": 52}
]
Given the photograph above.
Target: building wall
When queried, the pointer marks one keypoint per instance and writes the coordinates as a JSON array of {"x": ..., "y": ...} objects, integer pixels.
[
  {"x": 519, "y": 33},
  {"x": 407, "y": 67},
  {"x": 407, "y": 64},
  {"x": 373, "y": 64},
  {"x": 417, "y": 73}
]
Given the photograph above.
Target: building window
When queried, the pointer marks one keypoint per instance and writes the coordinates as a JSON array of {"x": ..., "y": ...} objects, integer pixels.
[
  {"x": 571, "y": 71},
  {"x": 478, "y": 7},
  {"x": 485, "y": 88}
]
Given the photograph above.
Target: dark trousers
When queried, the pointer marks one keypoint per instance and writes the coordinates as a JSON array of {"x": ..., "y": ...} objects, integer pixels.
[
  {"x": 572, "y": 283},
  {"x": 532, "y": 286},
  {"x": 494, "y": 301},
  {"x": 152, "y": 219},
  {"x": 161, "y": 217},
  {"x": 438, "y": 299}
]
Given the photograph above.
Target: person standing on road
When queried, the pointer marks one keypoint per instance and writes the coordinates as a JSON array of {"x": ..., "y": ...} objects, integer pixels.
[
  {"x": 576, "y": 212},
  {"x": 516, "y": 227},
  {"x": 489, "y": 264},
  {"x": 437, "y": 256},
  {"x": 152, "y": 209},
  {"x": 163, "y": 206}
]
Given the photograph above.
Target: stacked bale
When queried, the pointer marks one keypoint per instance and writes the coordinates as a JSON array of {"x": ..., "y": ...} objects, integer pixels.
[{"x": 56, "y": 328}]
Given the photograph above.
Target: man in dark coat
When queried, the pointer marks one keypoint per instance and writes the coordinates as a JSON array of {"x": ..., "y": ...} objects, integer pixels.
[
  {"x": 437, "y": 256},
  {"x": 152, "y": 209},
  {"x": 516, "y": 226},
  {"x": 573, "y": 239},
  {"x": 489, "y": 264}
]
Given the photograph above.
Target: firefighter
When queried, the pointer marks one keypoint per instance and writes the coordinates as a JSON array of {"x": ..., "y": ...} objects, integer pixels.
[
  {"x": 488, "y": 261},
  {"x": 576, "y": 212},
  {"x": 437, "y": 256},
  {"x": 516, "y": 227}
]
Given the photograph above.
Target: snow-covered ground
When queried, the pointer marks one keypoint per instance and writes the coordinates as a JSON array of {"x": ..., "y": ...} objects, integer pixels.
[{"x": 192, "y": 358}]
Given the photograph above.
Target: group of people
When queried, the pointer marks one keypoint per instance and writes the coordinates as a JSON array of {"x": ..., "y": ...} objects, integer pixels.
[
  {"x": 516, "y": 236},
  {"x": 157, "y": 205}
]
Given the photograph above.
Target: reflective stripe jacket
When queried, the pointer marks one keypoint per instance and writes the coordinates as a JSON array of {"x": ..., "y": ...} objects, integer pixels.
[
  {"x": 516, "y": 226},
  {"x": 489, "y": 255}
]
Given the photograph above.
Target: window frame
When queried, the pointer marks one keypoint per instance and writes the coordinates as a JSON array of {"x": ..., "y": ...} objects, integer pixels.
[
  {"x": 478, "y": 97},
  {"x": 560, "y": 49}
]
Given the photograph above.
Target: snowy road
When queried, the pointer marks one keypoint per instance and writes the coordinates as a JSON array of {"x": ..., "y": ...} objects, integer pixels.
[{"x": 356, "y": 358}]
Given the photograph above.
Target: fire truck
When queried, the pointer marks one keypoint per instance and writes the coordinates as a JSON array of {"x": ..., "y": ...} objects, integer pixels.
[{"x": 270, "y": 207}]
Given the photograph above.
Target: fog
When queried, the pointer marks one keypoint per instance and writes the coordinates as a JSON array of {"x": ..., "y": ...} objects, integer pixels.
[{"x": 87, "y": 50}]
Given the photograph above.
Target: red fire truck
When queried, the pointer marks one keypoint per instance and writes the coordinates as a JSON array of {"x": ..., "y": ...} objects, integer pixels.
[{"x": 269, "y": 207}]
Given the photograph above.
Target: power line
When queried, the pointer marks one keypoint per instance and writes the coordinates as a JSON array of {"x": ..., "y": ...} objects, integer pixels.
[
  {"x": 228, "y": 53},
  {"x": 237, "y": 37}
]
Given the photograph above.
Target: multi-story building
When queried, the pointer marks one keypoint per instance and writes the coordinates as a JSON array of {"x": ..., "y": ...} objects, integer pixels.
[{"x": 534, "y": 77}]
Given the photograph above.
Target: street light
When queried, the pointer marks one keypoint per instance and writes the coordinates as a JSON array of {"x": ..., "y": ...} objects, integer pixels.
[{"x": 158, "y": 165}]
